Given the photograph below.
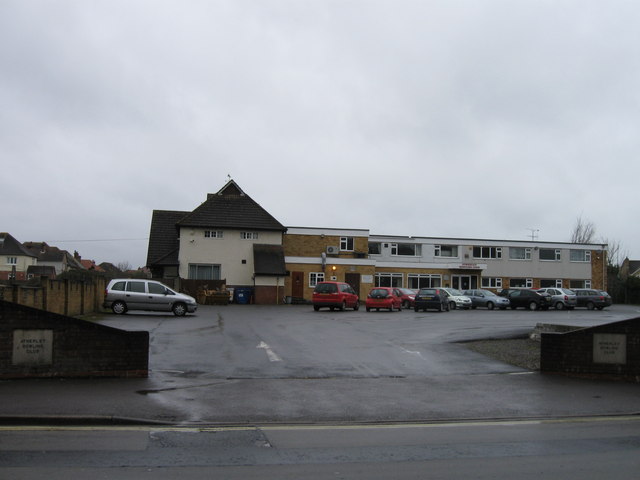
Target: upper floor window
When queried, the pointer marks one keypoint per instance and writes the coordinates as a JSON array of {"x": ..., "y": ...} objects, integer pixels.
[
  {"x": 375, "y": 248},
  {"x": 346, "y": 243},
  {"x": 213, "y": 234},
  {"x": 580, "y": 255},
  {"x": 446, "y": 251},
  {"x": 249, "y": 235},
  {"x": 12, "y": 260},
  {"x": 519, "y": 253},
  {"x": 550, "y": 254},
  {"x": 409, "y": 249},
  {"x": 487, "y": 252}
]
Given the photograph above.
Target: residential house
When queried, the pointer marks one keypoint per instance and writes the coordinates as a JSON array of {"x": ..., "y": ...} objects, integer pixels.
[
  {"x": 47, "y": 255},
  {"x": 630, "y": 268},
  {"x": 228, "y": 237},
  {"x": 15, "y": 259}
]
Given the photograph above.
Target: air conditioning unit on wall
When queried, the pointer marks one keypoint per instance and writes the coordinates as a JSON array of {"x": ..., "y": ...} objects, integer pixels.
[{"x": 332, "y": 250}]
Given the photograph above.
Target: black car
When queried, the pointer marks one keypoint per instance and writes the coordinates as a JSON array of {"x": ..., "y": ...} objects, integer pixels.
[
  {"x": 530, "y": 299},
  {"x": 591, "y": 298},
  {"x": 431, "y": 298}
]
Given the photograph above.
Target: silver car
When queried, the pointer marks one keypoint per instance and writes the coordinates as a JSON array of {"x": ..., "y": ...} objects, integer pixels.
[
  {"x": 488, "y": 299},
  {"x": 561, "y": 297},
  {"x": 457, "y": 299},
  {"x": 124, "y": 294}
]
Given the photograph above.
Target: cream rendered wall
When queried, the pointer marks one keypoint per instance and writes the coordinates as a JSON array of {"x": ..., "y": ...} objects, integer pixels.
[
  {"x": 22, "y": 263},
  {"x": 228, "y": 252}
]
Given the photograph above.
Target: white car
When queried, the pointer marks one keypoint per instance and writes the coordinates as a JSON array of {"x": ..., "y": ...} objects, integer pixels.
[
  {"x": 457, "y": 299},
  {"x": 124, "y": 294}
]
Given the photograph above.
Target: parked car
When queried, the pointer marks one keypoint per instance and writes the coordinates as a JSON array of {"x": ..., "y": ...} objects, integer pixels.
[
  {"x": 607, "y": 298},
  {"x": 457, "y": 299},
  {"x": 530, "y": 299},
  {"x": 384, "y": 297},
  {"x": 561, "y": 297},
  {"x": 124, "y": 294},
  {"x": 431, "y": 298},
  {"x": 334, "y": 295},
  {"x": 591, "y": 298},
  {"x": 486, "y": 298},
  {"x": 408, "y": 297}
]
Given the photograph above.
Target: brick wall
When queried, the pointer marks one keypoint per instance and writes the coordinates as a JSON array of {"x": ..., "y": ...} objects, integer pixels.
[
  {"x": 65, "y": 297},
  {"x": 66, "y": 347},
  {"x": 605, "y": 351}
]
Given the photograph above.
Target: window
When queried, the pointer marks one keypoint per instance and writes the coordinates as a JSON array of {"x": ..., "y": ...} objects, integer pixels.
[
  {"x": 315, "y": 278},
  {"x": 12, "y": 260},
  {"x": 491, "y": 282},
  {"x": 213, "y": 234},
  {"x": 388, "y": 280},
  {"x": 580, "y": 284},
  {"x": 519, "y": 253},
  {"x": 550, "y": 254},
  {"x": 417, "y": 281},
  {"x": 580, "y": 255},
  {"x": 346, "y": 244},
  {"x": 551, "y": 283},
  {"x": 446, "y": 251},
  {"x": 204, "y": 271},
  {"x": 249, "y": 235},
  {"x": 408, "y": 249},
  {"x": 156, "y": 288},
  {"x": 521, "y": 283},
  {"x": 487, "y": 252},
  {"x": 137, "y": 287},
  {"x": 375, "y": 248}
]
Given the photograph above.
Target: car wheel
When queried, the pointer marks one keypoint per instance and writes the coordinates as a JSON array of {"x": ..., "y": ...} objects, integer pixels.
[
  {"x": 490, "y": 305},
  {"x": 406, "y": 304},
  {"x": 356, "y": 307},
  {"x": 316, "y": 308},
  {"x": 591, "y": 306},
  {"x": 600, "y": 308},
  {"x": 179, "y": 309},
  {"x": 343, "y": 306},
  {"x": 446, "y": 307},
  {"x": 368, "y": 309},
  {"x": 416, "y": 309},
  {"x": 533, "y": 306},
  {"x": 559, "y": 305},
  {"x": 452, "y": 305},
  {"x": 119, "y": 307}
]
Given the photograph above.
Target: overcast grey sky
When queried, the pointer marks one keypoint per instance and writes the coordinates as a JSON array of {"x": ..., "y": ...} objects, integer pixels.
[{"x": 502, "y": 116}]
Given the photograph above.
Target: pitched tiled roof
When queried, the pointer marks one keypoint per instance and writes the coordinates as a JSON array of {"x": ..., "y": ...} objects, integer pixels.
[
  {"x": 269, "y": 260},
  {"x": 163, "y": 237},
  {"x": 11, "y": 246},
  {"x": 231, "y": 208}
]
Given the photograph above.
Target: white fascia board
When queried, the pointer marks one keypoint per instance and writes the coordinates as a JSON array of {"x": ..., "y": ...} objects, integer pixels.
[
  {"x": 334, "y": 232},
  {"x": 468, "y": 242},
  {"x": 330, "y": 261},
  {"x": 433, "y": 265}
]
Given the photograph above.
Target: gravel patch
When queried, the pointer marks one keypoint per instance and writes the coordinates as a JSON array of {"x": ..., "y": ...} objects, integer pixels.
[{"x": 521, "y": 352}]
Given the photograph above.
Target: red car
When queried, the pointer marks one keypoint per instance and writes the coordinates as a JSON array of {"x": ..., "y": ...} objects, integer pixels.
[
  {"x": 333, "y": 295},
  {"x": 408, "y": 297},
  {"x": 384, "y": 297}
]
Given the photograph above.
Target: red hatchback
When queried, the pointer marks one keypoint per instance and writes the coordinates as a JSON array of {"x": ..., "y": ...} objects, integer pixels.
[
  {"x": 338, "y": 295},
  {"x": 384, "y": 297}
]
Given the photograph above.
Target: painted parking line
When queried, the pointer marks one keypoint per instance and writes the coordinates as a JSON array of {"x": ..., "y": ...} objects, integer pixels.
[{"x": 273, "y": 357}]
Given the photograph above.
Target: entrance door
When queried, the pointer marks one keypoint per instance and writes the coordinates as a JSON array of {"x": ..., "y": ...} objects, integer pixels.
[
  {"x": 353, "y": 279},
  {"x": 297, "y": 284}
]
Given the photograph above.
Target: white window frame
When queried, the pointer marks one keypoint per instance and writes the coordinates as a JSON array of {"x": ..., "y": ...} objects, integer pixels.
[
  {"x": 396, "y": 279},
  {"x": 439, "y": 251},
  {"x": 215, "y": 269},
  {"x": 528, "y": 282},
  {"x": 557, "y": 255},
  {"x": 417, "y": 250},
  {"x": 249, "y": 235},
  {"x": 433, "y": 280},
  {"x": 585, "y": 254},
  {"x": 12, "y": 260},
  {"x": 488, "y": 253},
  {"x": 315, "y": 278},
  {"x": 525, "y": 250},
  {"x": 213, "y": 234},
  {"x": 491, "y": 282},
  {"x": 347, "y": 244}
]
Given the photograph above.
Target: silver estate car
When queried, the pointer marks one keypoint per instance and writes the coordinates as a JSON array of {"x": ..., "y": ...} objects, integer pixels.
[
  {"x": 561, "y": 297},
  {"x": 486, "y": 298},
  {"x": 124, "y": 294}
]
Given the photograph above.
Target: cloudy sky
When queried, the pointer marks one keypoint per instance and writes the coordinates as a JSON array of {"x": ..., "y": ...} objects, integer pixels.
[{"x": 474, "y": 119}]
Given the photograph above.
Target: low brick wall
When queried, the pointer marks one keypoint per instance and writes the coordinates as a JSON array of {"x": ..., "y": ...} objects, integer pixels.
[
  {"x": 37, "y": 343},
  {"x": 606, "y": 351}
]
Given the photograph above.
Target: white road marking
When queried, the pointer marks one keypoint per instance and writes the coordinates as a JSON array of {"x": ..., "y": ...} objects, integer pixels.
[{"x": 273, "y": 357}]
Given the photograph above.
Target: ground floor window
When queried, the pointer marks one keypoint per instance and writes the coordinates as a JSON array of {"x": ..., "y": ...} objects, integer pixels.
[
  {"x": 491, "y": 282},
  {"x": 423, "y": 280},
  {"x": 315, "y": 278},
  {"x": 549, "y": 283},
  {"x": 580, "y": 284},
  {"x": 389, "y": 280},
  {"x": 203, "y": 271},
  {"x": 521, "y": 283}
]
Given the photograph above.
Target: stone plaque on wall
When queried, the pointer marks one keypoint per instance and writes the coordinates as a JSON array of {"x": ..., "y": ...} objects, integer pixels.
[
  {"x": 610, "y": 348},
  {"x": 32, "y": 347}
]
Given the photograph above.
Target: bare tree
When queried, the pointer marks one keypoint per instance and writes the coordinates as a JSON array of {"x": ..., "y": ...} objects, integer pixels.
[
  {"x": 124, "y": 266},
  {"x": 584, "y": 231},
  {"x": 615, "y": 252}
]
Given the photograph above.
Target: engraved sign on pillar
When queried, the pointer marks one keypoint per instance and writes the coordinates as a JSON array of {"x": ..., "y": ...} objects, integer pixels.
[
  {"x": 610, "y": 348},
  {"x": 32, "y": 347}
]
